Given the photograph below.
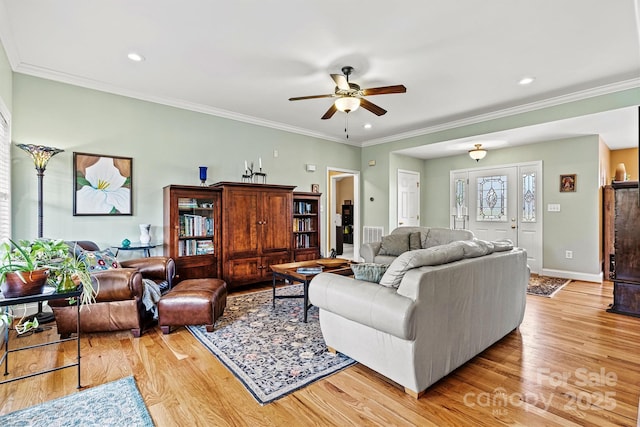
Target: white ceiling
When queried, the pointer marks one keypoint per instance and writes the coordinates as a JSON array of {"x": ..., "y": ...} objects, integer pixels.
[{"x": 460, "y": 60}]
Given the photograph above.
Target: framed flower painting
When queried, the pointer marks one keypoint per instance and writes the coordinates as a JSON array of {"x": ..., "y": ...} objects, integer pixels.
[{"x": 102, "y": 185}]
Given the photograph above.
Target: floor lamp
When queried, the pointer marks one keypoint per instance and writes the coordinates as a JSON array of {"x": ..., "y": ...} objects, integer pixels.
[{"x": 40, "y": 155}]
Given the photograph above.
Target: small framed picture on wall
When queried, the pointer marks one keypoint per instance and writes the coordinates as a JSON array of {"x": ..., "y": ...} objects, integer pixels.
[
  {"x": 315, "y": 188},
  {"x": 568, "y": 183}
]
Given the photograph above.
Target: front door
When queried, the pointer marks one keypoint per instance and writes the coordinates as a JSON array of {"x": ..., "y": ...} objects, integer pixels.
[
  {"x": 493, "y": 203},
  {"x": 501, "y": 203}
]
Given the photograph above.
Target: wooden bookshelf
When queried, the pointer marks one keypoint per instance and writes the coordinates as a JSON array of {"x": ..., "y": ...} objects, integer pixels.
[{"x": 306, "y": 226}]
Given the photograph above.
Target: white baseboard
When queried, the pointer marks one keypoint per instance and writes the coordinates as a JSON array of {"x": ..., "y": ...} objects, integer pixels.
[{"x": 574, "y": 275}]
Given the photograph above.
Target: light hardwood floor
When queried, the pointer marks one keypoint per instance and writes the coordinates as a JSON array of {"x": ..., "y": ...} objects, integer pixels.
[{"x": 570, "y": 364}]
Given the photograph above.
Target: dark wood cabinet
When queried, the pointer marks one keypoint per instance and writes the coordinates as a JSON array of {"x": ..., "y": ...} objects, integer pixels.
[
  {"x": 256, "y": 230},
  {"x": 306, "y": 226},
  {"x": 347, "y": 223},
  {"x": 625, "y": 261},
  {"x": 192, "y": 230}
]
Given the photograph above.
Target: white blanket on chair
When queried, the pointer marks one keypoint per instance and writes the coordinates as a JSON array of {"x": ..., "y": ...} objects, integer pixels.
[{"x": 151, "y": 296}]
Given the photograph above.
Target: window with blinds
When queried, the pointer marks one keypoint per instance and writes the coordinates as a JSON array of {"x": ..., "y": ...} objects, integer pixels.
[{"x": 5, "y": 178}]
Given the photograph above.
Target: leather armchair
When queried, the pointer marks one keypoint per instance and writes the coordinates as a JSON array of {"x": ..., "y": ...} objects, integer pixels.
[{"x": 118, "y": 303}]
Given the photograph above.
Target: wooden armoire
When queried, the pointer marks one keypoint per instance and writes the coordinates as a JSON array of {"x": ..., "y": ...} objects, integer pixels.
[
  {"x": 624, "y": 262},
  {"x": 257, "y": 224}
]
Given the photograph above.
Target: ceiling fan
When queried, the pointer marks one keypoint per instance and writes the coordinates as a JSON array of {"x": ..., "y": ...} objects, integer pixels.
[{"x": 350, "y": 96}]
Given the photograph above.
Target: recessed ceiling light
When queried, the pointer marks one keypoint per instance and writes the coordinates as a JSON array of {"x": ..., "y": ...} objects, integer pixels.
[
  {"x": 526, "y": 81},
  {"x": 367, "y": 126},
  {"x": 136, "y": 57}
]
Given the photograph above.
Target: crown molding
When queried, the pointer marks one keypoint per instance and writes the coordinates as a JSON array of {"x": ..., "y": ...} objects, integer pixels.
[
  {"x": 524, "y": 108},
  {"x": 200, "y": 108}
]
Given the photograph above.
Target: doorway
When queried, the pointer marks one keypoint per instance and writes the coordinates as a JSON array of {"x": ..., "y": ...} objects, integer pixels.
[
  {"x": 343, "y": 213},
  {"x": 503, "y": 202}
]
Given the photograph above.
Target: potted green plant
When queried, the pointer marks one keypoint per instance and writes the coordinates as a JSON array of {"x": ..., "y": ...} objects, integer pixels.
[{"x": 28, "y": 261}]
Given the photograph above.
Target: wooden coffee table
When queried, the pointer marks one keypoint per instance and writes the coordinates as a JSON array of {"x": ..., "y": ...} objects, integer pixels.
[{"x": 289, "y": 272}]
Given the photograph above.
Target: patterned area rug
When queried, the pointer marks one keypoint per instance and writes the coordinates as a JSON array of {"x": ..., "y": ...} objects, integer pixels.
[
  {"x": 545, "y": 286},
  {"x": 117, "y": 403},
  {"x": 271, "y": 351}
]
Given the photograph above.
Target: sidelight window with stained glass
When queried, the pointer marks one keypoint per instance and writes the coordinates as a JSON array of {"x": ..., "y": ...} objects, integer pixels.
[
  {"x": 492, "y": 198},
  {"x": 529, "y": 197}
]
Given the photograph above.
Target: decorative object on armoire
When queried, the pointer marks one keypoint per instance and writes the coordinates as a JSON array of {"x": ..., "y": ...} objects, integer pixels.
[
  {"x": 203, "y": 176},
  {"x": 40, "y": 155},
  {"x": 145, "y": 233},
  {"x": 102, "y": 185},
  {"x": 621, "y": 172},
  {"x": 624, "y": 262}
]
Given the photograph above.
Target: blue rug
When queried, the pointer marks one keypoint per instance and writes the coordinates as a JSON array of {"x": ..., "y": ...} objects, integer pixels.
[
  {"x": 117, "y": 403},
  {"x": 271, "y": 351}
]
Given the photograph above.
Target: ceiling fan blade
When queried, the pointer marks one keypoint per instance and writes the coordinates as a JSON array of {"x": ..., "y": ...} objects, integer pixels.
[
  {"x": 341, "y": 81},
  {"x": 299, "y": 98},
  {"x": 330, "y": 112},
  {"x": 384, "y": 89},
  {"x": 367, "y": 105}
]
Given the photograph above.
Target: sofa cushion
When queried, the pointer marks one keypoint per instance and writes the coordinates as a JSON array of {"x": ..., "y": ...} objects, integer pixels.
[
  {"x": 415, "y": 241},
  {"x": 394, "y": 244},
  {"x": 99, "y": 260},
  {"x": 368, "y": 271},
  {"x": 431, "y": 256}
]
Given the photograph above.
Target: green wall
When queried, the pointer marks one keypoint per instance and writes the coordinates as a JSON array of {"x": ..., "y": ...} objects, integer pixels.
[{"x": 167, "y": 145}]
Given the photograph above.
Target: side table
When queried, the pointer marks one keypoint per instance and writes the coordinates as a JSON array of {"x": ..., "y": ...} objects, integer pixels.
[
  {"x": 137, "y": 246},
  {"x": 49, "y": 295}
]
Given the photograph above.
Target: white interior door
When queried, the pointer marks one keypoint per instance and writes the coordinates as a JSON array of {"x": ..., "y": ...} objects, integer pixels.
[{"x": 408, "y": 198}]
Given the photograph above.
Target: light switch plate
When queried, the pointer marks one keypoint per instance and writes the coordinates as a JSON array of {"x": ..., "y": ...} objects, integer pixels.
[{"x": 553, "y": 207}]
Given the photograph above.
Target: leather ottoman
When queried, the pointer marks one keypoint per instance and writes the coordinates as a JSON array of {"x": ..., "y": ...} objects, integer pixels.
[{"x": 192, "y": 302}]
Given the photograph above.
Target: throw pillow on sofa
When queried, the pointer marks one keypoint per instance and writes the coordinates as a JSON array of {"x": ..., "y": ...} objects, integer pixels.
[
  {"x": 99, "y": 260},
  {"x": 369, "y": 271},
  {"x": 394, "y": 244}
]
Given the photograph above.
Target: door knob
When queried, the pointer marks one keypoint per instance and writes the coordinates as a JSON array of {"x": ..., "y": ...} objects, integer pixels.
[{"x": 513, "y": 226}]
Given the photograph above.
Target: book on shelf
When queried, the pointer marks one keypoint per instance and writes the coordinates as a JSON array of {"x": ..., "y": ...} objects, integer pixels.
[
  {"x": 195, "y": 225},
  {"x": 191, "y": 247},
  {"x": 302, "y": 208}
]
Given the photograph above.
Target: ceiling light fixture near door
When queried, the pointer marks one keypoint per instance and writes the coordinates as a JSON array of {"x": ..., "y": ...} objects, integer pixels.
[{"x": 477, "y": 153}]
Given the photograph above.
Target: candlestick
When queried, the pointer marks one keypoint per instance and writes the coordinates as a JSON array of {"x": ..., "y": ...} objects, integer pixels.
[
  {"x": 260, "y": 162},
  {"x": 245, "y": 166}
]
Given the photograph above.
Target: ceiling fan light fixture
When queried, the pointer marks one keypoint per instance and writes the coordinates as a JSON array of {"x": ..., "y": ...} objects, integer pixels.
[
  {"x": 478, "y": 153},
  {"x": 347, "y": 104}
]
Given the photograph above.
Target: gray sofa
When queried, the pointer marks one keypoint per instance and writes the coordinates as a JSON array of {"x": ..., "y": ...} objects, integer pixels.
[
  {"x": 436, "y": 309},
  {"x": 385, "y": 251}
]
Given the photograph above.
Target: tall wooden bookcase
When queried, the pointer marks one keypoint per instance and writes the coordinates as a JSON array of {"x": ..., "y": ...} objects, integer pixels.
[
  {"x": 192, "y": 230},
  {"x": 306, "y": 226}
]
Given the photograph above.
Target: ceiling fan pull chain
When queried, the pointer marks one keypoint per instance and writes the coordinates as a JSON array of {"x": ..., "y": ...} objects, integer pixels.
[{"x": 346, "y": 124}]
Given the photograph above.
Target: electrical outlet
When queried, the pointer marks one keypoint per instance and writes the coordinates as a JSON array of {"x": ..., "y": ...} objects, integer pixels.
[{"x": 568, "y": 254}]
